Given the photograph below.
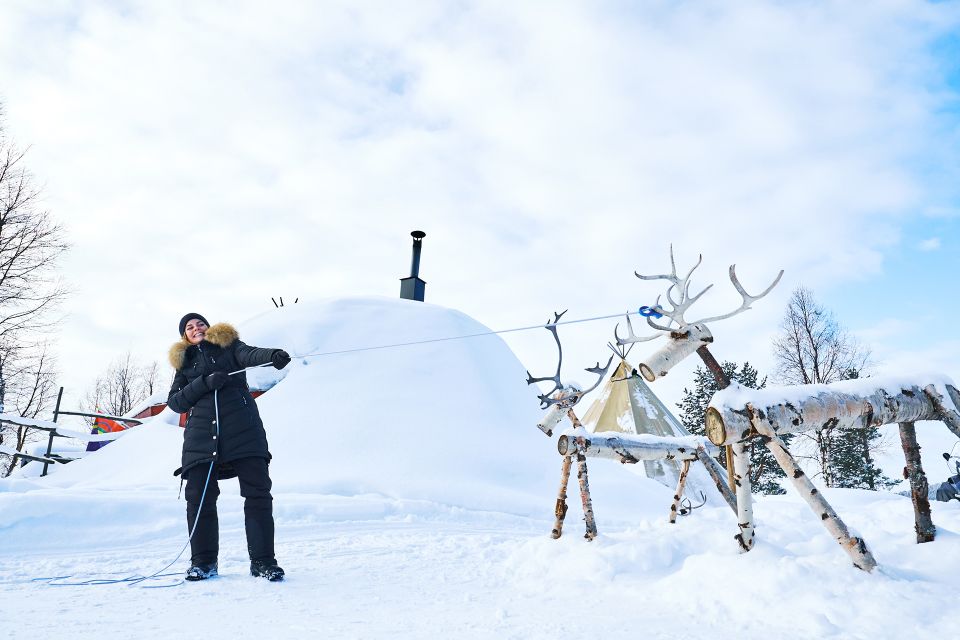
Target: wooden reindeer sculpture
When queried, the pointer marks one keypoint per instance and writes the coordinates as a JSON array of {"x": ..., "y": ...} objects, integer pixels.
[
  {"x": 739, "y": 415},
  {"x": 561, "y": 400},
  {"x": 627, "y": 448},
  {"x": 686, "y": 337},
  {"x": 623, "y": 448},
  {"x": 736, "y": 417}
]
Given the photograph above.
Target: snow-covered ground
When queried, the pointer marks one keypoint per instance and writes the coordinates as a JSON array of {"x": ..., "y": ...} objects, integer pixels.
[{"x": 414, "y": 497}]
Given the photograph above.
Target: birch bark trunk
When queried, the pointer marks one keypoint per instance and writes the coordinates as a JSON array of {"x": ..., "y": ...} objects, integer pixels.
[
  {"x": 923, "y": 523},
  {"x": 560, "y": 511},
  {"x": 741, "y": 468},
  {"x": 585, "y": 499},
  {"x": 855, "y": 547},
  {"x": 588, "y": 518},
  {"x": 678, "y": 496},
  {"x": 825, "y": 410},
  {"x": 626, "y": 450},
  {"x": 677, "y": 348}
]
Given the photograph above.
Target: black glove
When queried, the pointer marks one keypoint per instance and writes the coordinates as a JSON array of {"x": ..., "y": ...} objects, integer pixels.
[
  {"x": 280, "y": 358},
  {"x": 216, "y": 380}
]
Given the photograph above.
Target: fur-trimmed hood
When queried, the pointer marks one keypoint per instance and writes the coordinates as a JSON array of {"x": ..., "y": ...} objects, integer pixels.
[{"x": 221, "y": 334}]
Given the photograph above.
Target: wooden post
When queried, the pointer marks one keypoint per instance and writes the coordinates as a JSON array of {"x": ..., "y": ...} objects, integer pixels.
[
  {"x": 56, "y": 414},
  {"x": 679, "y": 494},
  {"x": 856, "y": 548},
  {"x": 723, "y": 382},
  {"x": 923, "y": 523},
  {"x": 560, "y": 511},
  {"x": 741, "y": 466}
]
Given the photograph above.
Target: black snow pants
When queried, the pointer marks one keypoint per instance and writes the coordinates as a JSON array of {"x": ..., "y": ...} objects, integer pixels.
[{"x": 255, "y": 487}]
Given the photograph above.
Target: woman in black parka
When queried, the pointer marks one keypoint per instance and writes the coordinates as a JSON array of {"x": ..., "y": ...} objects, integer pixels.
[{"x": 235, "y": 447}]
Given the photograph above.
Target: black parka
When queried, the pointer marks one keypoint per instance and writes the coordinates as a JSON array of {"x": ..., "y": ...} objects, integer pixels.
[{"x": 240, "y": 433}]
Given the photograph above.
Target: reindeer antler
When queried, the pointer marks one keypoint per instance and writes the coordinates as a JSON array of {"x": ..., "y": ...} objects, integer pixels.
[
  {"x": 679, "y": 306},
  {"x": 633, "y": 338},
  {"x": 747, "y": 298},
  {"x": 555, "y": 378},
  {"x": 569, "y": 395}
]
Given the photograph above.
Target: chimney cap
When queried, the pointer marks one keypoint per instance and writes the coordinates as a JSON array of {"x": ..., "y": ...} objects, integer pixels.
[{"x": 418, "y": 235}]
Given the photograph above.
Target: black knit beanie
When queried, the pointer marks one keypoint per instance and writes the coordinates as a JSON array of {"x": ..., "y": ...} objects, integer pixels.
[{"x": 187, "y": 318}]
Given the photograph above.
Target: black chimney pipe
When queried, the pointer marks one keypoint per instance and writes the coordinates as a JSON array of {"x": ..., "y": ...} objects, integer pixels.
[
  {"x": 412, "y": 287},
  {"x": 418, "y": 237}
]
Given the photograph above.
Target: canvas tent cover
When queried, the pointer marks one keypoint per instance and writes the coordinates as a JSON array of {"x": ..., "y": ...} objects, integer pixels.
[{"x": 627, "y": 405}]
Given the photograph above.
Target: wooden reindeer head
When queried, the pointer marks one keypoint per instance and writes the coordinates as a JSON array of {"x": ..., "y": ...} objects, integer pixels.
[
  {"x": 686, "y": 336},
  {"x": 562, "y": 397}
]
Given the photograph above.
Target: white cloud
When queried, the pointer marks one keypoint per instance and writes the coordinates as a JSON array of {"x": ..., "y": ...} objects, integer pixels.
[
  {"x": 930, "y": 244},
  {"x": 205, "y": 158}
]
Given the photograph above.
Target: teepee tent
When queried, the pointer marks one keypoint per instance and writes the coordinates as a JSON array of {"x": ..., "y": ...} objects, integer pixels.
[{"x": 627, "y": 405}]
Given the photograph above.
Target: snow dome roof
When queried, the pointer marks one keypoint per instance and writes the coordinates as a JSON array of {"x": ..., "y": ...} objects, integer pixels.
[{"x": 449, "y": 421}]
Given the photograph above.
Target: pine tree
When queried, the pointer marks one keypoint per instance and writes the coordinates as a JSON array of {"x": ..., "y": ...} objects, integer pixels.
[{"x": 764, "y": 470}]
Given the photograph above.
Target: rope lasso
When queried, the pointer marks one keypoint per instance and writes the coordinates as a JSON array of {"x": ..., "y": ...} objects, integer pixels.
[{"x": 136, "y": 580}]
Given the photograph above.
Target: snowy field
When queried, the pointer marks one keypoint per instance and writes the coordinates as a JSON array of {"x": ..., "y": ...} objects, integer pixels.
[{"x": 414, "y": 497}]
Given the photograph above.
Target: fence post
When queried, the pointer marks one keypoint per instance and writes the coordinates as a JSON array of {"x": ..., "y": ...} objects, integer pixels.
[{"x": 56, "y": 413}]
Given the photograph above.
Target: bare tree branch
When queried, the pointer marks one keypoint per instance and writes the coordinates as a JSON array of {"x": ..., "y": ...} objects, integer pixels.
[
  {"x": 123, "y": 385},
  {"x": 31, "y": 243}
]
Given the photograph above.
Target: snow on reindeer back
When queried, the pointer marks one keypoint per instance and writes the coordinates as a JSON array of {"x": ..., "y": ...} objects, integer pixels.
[{"x": 737, "y": 396}]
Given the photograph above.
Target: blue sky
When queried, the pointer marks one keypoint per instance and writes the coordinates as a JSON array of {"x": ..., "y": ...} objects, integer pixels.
[{"x": 548, "y": 150}]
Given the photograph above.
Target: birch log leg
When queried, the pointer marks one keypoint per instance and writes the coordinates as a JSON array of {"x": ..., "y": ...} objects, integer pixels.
[
  {"x": 741, "y": 467},
  {"x": 924, "y": 527},
  {"x": 679, "y": 494},
  {"x": 855, "y": 547},
  {"x": 716, "y": 473},
  {"x": 585, "y": 497},
  {"x": 561, "y": 509},
  {"x": 584, "y": 484}
]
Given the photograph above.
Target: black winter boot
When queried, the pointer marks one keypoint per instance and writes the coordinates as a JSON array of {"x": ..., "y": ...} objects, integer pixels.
[
  {"x": 201, "y": 572},
  {"x": 266, "y": 569}
]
